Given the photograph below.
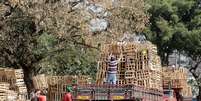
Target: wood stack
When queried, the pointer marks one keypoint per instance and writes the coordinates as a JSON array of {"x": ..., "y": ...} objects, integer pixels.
[
  {"x": 6, "y": 93},
  {"x": 40, "y": 82},
  {"x": 20, "y": 84},
  {"x": 56, "y": 85},
  {"x": 187, "y": 91},
  {"x": 176, "y": 78},
  {"x": 13, "y": 77},
  {"x": 4, "y": 88},
  {"x": 140, "y": 64}
]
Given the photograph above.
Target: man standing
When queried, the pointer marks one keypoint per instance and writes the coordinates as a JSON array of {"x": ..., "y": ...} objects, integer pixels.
[
  {"x": 35, "y": 97},
  {"x": 42, "y": 96},
  {"x": 68, "y": 95},
  {"x": 112, "y": 69}
]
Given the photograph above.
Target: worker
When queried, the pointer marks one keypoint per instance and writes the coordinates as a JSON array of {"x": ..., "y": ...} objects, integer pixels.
[
  {"x": 112, "y": 69},
  {"x": 36, "y": 95},
  {"x": 68, "y": 95},
  {"x": 42, "y": 96}
]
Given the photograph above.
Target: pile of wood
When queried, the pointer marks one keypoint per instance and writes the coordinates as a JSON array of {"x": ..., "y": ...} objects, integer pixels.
[
  {"x": 140, "y": 64},
  {"x": 20, "y": 84},
  {"x": 12, "y": 84},
  {"x": 5, "y": 92},
  {"x": 56, "y": 85},
  {"x": 176, "y": 78},
  {"x": 42, "y": 81}
]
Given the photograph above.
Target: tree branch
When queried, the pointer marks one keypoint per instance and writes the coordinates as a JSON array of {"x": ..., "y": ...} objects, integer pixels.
[{"x": 193, "y": 69}]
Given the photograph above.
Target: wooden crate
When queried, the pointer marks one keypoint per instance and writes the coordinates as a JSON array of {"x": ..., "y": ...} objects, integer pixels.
[
  {"x": 4, "y": 87},
  {"x": 177, "y": 77},
  {"x": 131, "y": 81},
  {"x": 19, "y": 82},
  {"x": 40, "y": 82},
  {"x": 19, "y": 73},
  {"x": 121, "y": 82},
  {"x": 22, "y": 89},
  {"x": 187, "y": 91}
]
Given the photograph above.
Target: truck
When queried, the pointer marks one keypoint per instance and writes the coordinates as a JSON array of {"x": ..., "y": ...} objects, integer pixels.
[
  {"x": 107, "y": 92},
  {"x": 174, "y": 95}
]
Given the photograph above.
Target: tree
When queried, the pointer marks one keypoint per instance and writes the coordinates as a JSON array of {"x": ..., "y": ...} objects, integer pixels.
[
  {"x": 17, "y": 36},
  {"x": 51, "y": 36},
  {"x": 192, "y": 49},
  {"x": 168, "y": 18},
  {"x": 175, "y": 25}
]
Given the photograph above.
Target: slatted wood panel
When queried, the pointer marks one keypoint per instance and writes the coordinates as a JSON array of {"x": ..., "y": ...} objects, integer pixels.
[{"x": 40, "y": 82}]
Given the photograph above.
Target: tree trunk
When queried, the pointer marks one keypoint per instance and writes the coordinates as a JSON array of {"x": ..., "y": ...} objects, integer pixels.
[
  {"x": 164, "y": 58},
  {"x": 28, "y": 74},
  {"x": 167, "y": 59},
  {"x": 199, "y": 94}
]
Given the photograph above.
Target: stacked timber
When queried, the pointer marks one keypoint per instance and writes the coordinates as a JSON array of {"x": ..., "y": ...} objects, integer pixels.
[
  {"x": 187, "y": 91},
  {"x": 57, "y": 85},
  {"x": 6, "y": 93},
  {"x": 20, "y": 84},
  {"x": 40, "y": 82},
  {"x": 140, "y": 64},
  {"x": 176, "y": 78},
  {"x": 14, "y": 79}
]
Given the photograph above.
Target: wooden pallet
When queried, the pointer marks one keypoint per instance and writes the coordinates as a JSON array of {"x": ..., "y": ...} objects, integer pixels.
[
  {"x": 40, "y": 82},
  {"x": 177, "y": 77},
  {"x": 187, "y": 91},
  {"x": 19, "y": 73},
  {"x": 121, "y": 82},
  {"x": 174, "y": 73},
  {"x": 4, "y": 87},
  {"x": 22, "y": 89},
  {"x": 176, "y": 83}
]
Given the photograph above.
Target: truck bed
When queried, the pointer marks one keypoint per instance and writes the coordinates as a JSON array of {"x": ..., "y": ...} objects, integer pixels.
[{"x": 115, "y": 92}]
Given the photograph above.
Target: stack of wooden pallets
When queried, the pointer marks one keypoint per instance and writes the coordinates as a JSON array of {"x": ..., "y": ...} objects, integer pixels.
[
  {"x": 140, "y": 64},
  {"x": 176, "y": 78},
  {"x": 43, "y": 82},
  {"x": 4, "y": 88},
  {"x": 56, "y": 84},
  {"x": 15, "y": 79},
  {"x": 20, "y": 84},
  {"x": 5, "y": 92},
  {"x": 40, "y": 81}
]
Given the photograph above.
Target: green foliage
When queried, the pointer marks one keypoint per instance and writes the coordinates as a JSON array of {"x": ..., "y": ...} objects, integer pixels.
[
  {"x": 45, "y": 44},
  {"x": 168, "y": 21},
  {"x": 64, "y": 58},
  {"x": 175, "y": 25}
]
